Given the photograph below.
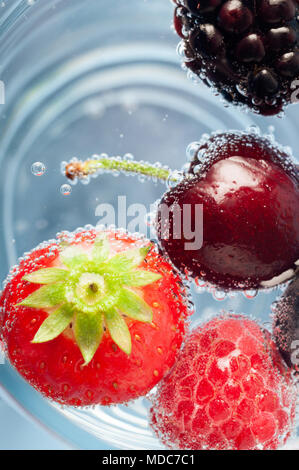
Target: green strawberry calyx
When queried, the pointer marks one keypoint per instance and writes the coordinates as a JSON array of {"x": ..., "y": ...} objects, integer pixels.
[{"x": 93, "y": 291}]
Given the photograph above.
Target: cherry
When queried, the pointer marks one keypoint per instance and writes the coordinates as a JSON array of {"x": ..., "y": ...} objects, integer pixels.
[
  {"x": 250, "y": 204},
  {"x": 248, "y": 188}
]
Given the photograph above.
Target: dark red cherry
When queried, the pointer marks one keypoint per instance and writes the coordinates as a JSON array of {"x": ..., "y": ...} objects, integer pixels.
[{"x": 250, "y": 231}]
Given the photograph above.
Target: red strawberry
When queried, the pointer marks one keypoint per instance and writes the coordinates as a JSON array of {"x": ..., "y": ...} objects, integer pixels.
[
  {"x": 93, "y": 317},
  {"x": 229, "y": 389}
]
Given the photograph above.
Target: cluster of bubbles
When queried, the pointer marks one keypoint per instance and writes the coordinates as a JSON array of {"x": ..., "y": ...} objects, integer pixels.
[
  {"x": 52, "y": 246},
  {"x": 95, "y": 170},
  {"x": 201, "y": 287},
  {"x": 282, "y": 154}
]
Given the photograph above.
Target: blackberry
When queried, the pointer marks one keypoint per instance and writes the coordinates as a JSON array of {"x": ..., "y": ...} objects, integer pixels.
[
  {"x": 286, "y": 324},
  {"x": 247, "y": 50}
]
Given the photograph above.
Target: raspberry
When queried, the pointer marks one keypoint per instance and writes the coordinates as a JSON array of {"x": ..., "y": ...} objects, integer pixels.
[
  {"x": 226, "y": 410},
  {"x": 247, "y": 50}
]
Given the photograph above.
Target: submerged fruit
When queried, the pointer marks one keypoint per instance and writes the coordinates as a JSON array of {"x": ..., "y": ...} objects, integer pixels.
[
  {"x": 93, "y": 317},
  {"x": 233, "y": 219},
  {"x": 247, "y": 51},
  {"x": 249, "y": 192},
  {"x": 229, "y": 390},
  {"x": 286, "y": 324}
]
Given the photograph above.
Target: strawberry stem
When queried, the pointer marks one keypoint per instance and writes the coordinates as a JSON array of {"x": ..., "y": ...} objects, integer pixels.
[{"x": 84, "y": 169}]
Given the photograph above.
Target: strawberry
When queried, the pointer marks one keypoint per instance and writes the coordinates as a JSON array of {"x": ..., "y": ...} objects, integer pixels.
[
  {"x": 93, "y": 317},
  {"x": 229, "y": 390}
]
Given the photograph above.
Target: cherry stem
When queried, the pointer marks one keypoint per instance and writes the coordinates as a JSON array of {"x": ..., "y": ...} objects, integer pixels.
[{"x": 83, "y": 169}]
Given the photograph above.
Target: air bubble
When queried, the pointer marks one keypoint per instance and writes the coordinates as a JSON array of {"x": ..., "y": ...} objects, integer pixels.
[
  {"x": 254, "y": 129},
  {"x": 256, "y": 101},
  {"x": 174, "y": 178},
  {"x": 181, "y": 50},
  {"x": 186, "y": 168},
  {"x": 219, "y": 295},
  {"x": 250, "y": 294},
  {"x": 141, "y": 178},
  {"x": 288, "y": 150},
  {"x": 242, "y": 90},
  {"x": 86, "y": 180},
  {"x": 271, "y": 130},
  {"x": 128, "y": 157},
  {"x": 38, "y": 169},
  {"x": 200, "y": 285},
  {"x": 200, "y": 282},
  {"x": 194, "y": 78},
  {"x": 192, "y": 150},
  {"x": 65, "y": 189},
  {"x": 197, "y": 169},
  {"x": 150, "y": 219}
]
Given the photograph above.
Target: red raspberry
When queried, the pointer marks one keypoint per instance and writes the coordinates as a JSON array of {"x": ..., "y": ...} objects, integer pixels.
[{"x": 229, "y": 390}]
